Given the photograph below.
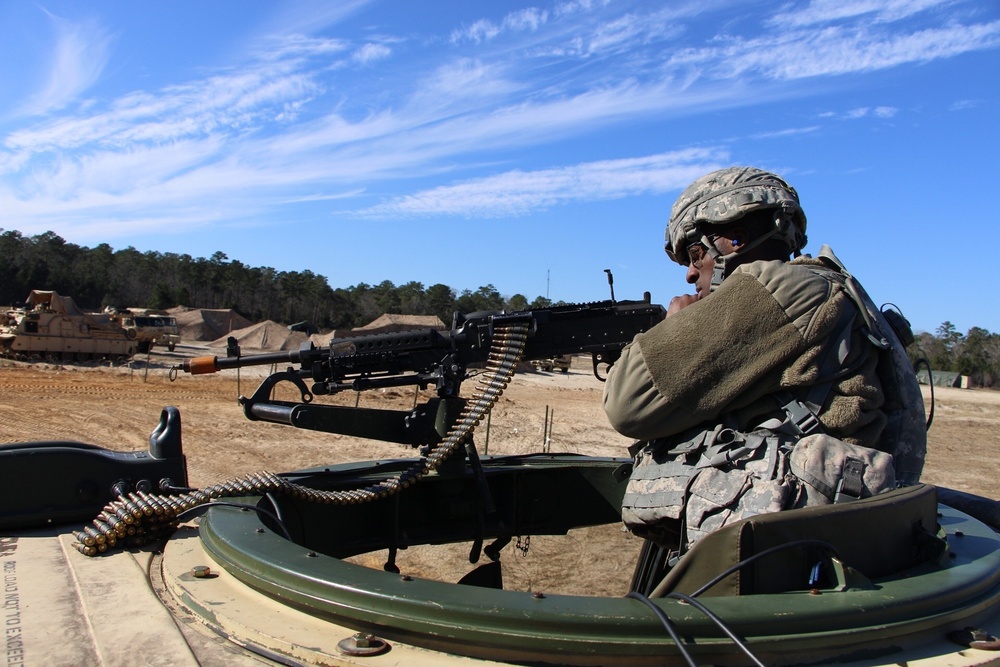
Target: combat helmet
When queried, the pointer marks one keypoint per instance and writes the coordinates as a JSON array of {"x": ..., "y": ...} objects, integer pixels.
[{"x": 727, "y": 195}]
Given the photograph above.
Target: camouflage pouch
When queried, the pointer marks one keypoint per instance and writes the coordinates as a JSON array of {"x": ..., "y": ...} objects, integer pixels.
[
  {"x": 831, "y": 470},
  {"x": 658, "y": 484},
  {"x": 706, "y": 481},
  {"x": 720, "y": 496}
]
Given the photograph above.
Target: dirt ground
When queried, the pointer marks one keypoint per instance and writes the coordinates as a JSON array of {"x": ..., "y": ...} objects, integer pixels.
[{"x": 118, "y": 407}]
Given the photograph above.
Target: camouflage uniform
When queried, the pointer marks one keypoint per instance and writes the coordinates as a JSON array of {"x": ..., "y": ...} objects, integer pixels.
[{"x": 761, "y": 337}]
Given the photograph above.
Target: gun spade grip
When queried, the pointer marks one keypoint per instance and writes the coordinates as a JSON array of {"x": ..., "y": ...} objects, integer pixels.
[{"x": 200, "y": 365}]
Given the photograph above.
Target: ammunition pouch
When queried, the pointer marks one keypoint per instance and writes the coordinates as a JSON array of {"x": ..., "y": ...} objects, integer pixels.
[
  {"x": 833, "y": 471},
  {"x": 681, "y": 491}
]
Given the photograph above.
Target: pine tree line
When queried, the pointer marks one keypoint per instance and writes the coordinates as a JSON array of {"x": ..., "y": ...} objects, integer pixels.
[
  {"x": 976, "y": 354},
  {"x": 101, "y": 276}
]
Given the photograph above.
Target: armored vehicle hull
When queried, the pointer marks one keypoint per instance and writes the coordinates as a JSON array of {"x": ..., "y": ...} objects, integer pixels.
[
  {"x": 266, "y": 574},
  {"x": 52, "y": 326}
]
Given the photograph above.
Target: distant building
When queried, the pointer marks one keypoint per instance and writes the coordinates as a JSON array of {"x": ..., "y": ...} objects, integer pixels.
[{"x": 944, "y": 379}]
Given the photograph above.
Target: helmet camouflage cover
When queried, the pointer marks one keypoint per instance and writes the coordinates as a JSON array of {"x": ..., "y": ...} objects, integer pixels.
[{"x": 727, "y": 195}]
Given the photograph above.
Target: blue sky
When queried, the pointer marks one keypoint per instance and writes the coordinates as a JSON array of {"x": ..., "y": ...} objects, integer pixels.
[{"x": 525, "y": 145}]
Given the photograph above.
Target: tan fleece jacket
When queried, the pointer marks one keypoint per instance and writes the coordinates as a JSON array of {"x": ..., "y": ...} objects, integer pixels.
[{"x": 762, "y": 331}]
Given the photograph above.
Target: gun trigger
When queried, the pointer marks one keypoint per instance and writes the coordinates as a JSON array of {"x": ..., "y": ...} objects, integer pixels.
[{"x": 597, "y": 359}]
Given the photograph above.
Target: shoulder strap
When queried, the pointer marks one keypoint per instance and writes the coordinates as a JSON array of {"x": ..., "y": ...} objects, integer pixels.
[
  {"x": 803, "y": 411},
  {"x": 854, "y": 291}
]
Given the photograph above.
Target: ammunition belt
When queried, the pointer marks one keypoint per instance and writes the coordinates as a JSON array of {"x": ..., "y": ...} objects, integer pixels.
[{"x": 141, "y": 518}]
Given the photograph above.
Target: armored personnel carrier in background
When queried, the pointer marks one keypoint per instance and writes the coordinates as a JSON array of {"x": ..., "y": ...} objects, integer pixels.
[{"x": 53, "y": 326}]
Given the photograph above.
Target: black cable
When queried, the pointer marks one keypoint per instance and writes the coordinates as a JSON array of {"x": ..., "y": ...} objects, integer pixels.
[
  {"x": 767, "y": 552},
  {"x": 923, "y": 361},
  {"x": 277, "y": 510},
  {"x": 930, "y": 383},
  {"x": 242, "y": 506},
  {"x": 666, "y": 624},
  {"x": 719, "y": 622}
]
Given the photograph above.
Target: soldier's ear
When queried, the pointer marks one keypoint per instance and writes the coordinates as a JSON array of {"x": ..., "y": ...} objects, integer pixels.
[{"x": 737, "y": 235}]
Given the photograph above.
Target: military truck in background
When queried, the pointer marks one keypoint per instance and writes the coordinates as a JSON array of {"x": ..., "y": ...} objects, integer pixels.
[
  {"x": 561, "y": 363},
  {"x": 151, "y": 327},
  {"x": 53, "y": 326}
]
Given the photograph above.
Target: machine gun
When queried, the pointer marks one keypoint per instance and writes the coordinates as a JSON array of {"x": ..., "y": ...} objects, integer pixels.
[{"x": 484, "y": 343}]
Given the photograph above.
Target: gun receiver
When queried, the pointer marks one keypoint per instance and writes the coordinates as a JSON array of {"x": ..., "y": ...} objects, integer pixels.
[{"x": 426, "y": 357}]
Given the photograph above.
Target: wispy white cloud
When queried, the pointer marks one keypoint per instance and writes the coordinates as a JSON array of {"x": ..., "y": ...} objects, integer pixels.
[
  {"x": 613, "y": 34},
  {"x": 351, "y": 194},
  {"x": 458, "y": 86},
  {"x": 312, "y": 16},
  {"x": 518, "y": 192},
  {"x": 526, "y": 19},
  {"x": 370, "y": 53},
  {"x": 221, "y": 102},
  {"x": 480, "y": 31},
  {"x": 961, "y": 105},
  {"x": 788, "y": 132},
  {"x": 289, "y": 124},
  {"x": 882, "y": 112},
  {"x": 485, "y": 30},
  {"x": 834, "y": 50},
  {"x": 289, "y": 46},
  {"x": 80, "y": 54},
  {"x": 827, "y": 11}
]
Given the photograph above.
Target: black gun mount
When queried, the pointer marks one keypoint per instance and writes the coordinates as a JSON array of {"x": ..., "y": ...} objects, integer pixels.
[{"x": 429, "y": 357}]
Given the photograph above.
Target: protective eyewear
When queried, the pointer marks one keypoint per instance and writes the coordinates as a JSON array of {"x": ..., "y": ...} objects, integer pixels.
[{"x": 697, "y": 251}]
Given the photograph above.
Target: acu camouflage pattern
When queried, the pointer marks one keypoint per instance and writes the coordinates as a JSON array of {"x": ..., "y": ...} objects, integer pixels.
[
  {"x": 905, "y": 433},
  {"x": 727, "y": 195},
  {"x": 720, "y": 497},
  {"x": 710, "y": 486},
  {"x": 818, "y": 462},
  {"x": 709, "y": 480}
]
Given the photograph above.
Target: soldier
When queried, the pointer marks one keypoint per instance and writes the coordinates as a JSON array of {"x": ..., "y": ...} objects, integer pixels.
[{"x": 769, "y": 349}]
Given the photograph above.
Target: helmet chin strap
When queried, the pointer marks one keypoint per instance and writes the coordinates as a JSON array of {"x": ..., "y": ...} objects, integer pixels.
[{"x": 723, "y": 262}]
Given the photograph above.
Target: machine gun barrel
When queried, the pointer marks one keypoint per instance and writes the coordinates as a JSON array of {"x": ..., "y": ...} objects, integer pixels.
[
  {"x": 202, "y": 365},
  {"x": 601, "y": 328},
  {"x": 426, "y": 357}
]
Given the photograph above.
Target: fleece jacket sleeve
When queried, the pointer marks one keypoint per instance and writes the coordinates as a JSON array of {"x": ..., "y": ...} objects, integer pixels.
[{"x": 718, "y": 354}]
